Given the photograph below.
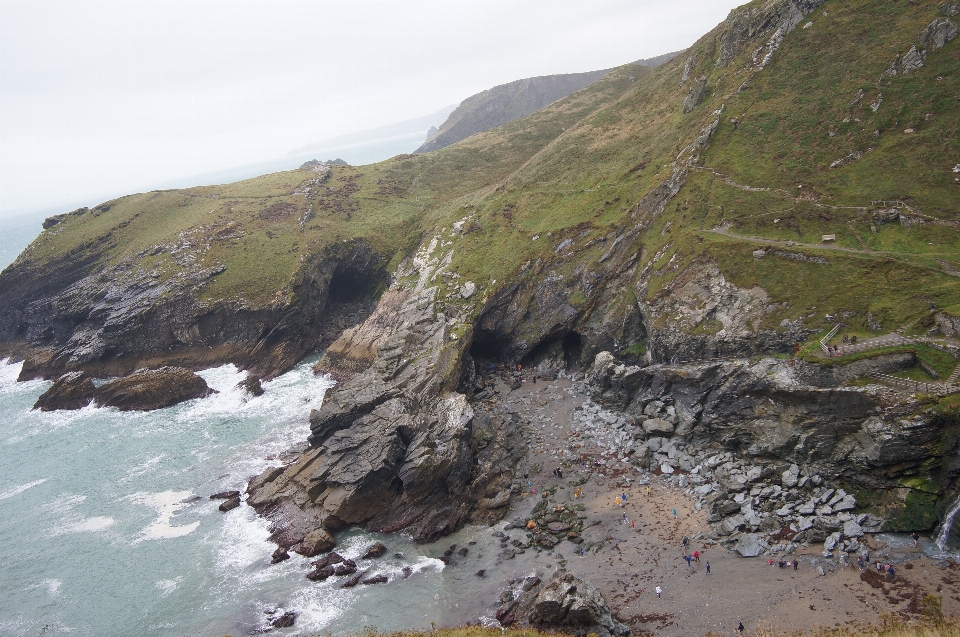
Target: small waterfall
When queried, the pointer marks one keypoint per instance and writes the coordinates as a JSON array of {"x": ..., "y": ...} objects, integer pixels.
[{"x": 943, "y": 536}]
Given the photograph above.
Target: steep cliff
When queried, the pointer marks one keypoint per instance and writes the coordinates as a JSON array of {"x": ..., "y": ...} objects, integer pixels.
[{"x": 669, "y": 215}]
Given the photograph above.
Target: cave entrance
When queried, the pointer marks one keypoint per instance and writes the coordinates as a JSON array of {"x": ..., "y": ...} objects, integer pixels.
[
  {"x": 350, "y": 284},
  {"x": 558, "y": 351},
  {"x": 487, "y": 347}
]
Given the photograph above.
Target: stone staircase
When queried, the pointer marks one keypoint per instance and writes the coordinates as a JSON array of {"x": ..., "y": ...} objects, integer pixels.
[{"x": 955, "y": 376}]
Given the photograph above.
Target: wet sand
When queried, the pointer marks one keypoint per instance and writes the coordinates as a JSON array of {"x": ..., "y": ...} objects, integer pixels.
[{"x": 627, "y": 562}]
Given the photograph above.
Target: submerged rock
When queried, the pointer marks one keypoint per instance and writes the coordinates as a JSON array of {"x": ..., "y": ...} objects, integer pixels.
[
  {"x": 286, "y": 620},
  {"x": 377, "y": 550},
  {"x": 251, "y": 385}
]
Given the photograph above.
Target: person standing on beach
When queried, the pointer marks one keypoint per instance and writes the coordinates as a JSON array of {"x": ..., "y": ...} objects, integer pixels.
[
  {"x": 659, "y": 590},
  {"x": 740, "y": 628},
  {"x": 616, "y": 501},
  {"x": 916, "y": 538},
  {"x": 696, "y": 556},
  {"x": 708, "y": 568},
  {"x": 674, "y": 513},
  {"x": 688, "y": 558}
]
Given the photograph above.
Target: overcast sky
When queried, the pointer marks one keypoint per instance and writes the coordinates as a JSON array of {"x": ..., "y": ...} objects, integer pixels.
[{"x": 103, "y": 98}]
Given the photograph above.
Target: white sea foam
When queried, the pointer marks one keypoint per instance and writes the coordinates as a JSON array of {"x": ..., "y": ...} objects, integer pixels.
[
  {"x": 167, "y": 586},
  {"x": 166, "y": 504},
  {"x": 12, "y": 491},
  {"x": 52, "y": 586},
  {"x": 87, "y": 525},
  {"x": 140, "y": 469}
]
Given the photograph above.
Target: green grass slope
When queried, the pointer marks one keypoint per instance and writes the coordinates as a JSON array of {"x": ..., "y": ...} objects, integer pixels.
[{"x": 578, "y": 169}]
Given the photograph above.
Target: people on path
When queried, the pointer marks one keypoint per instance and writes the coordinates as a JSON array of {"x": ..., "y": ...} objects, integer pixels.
[
  {"x": 708, "y": 568},
  {"x": 659, "y": 590},
  {"x": 674, "y": 513},
  {"x": 688, "y": 558},
  {"x": 740, "y": 628},
  {"x": 879, "y": 568},
  {"x": 616, "y": 501},
  {"x": 685, "y": 539},
  {"x": 890, "y": 572},
  {"x": 696, "y": 556},
  {"x": 648, "y": 490},
  {"x": 795, "y": 563},
  {"x": 633, "y": 524}
]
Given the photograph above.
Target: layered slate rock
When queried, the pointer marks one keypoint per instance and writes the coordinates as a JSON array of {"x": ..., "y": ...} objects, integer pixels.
[
  {"x": 148, "y": 389},
  {"x": 563, "y": 602},
  {"x": 73, "y": 390}
]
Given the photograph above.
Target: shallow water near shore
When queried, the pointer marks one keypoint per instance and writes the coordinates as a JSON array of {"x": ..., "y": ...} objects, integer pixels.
[{"x": 107, "y": 528}]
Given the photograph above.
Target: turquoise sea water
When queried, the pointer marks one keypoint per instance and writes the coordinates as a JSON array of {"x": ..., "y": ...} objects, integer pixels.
[{"x": 101, "y": 533}]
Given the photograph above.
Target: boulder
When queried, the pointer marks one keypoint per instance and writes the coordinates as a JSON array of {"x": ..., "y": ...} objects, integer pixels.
[
  {"x": 347, "y": 567},
  {"x": 148, "y": 389},
  {"x": 73, "y": 390},
  {"x": 353, "y": 581},
  {"x": 666, "y": 468},
  {"x": 507, "y": 554},
  {"x": 315, "y": 542},
  {"x": 657, "y": 427},
  {"x": 751, "y": 545},
  {"x": 229, "y": 505},
  {"x": 251, "y": 385},
  {"x": 852, "y": 529},
  {"x": 225, "y": 495},
  {"x": 567, "y": 601},
  {"x": 377, "y": 550},
  {"x": 279, "y": 555},
  {"x": 831, "y": 542},
  {"x": 320, "y": 574},
  {"x": 791, "y": 476},
  {"x": 376, "y": 579},
  {"x": 286, "y": 620}
]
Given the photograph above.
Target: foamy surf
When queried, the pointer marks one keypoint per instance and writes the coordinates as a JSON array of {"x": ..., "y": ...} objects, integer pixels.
[
  {"x": 166, "y": 504},
  {"x": 12, "y": 491}
]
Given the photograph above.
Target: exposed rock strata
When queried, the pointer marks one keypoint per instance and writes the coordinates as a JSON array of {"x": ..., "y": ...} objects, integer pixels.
[
  {"x": 77, "y": 315},
  {"x": 766, "y": 451},
  {"x": 73, "y": 390},
  {"x": 149, "y": 389},
  {"x": 563, "y": 602}
]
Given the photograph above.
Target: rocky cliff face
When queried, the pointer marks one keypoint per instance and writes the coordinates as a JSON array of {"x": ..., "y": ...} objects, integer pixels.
[
  {"x": 78, "y": 315},
  {"x": 767, "y": 450}
]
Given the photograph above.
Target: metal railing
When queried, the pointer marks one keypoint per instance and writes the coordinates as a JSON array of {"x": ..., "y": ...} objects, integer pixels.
[{"x": 826, "y": 339}]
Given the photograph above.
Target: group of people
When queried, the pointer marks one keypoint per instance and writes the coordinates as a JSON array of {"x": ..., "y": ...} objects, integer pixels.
[{"x": 794, "y": 563}]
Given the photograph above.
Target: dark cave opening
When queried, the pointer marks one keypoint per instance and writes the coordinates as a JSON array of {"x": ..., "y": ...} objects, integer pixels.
[
  {"x": 353, "y": 285},
  {"x": 487, "y": 346},
  {"x": 568, "y": 347}
]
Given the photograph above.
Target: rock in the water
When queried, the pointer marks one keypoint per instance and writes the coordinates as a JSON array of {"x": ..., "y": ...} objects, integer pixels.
[
  {"x": 251, "y": 385},
  {"x": 279, "y": 555},
  {"x": 481, "y": 572},
  {"x": 316, "y": 542},
  {"x": 377, "y": 550},
  {"x": 345, "y": 568},
  {"x": 148, "y": 389},
  {"x": 320, "y": 574},
  {"x": 376, "y": 579},
  {"x": 507, "y": 554},
  {"x": 73, "y": 390},
  {"x": 462, "y": 552},
  {"x": 353, "y": 581},
  {"x": 225, "y": 495},
  {"x": 286, "y": 620},
  {"x": 750, "y": 545},
  {"x": 229, "y": 505}
]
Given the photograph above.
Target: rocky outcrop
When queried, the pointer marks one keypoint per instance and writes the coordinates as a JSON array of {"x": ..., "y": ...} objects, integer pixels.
[
  {"x": 251, "y": 385},
  {"x": 767, "y": 451},
  {"x": 565, "y": 602},
  {"x": 75, "y": 313},
  {"x": 506, "y": 103},
  {"x": 73, "y": 390},
  {"x": 149, "y": 389}
]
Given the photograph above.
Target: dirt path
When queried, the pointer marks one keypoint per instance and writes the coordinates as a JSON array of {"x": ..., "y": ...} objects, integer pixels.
[{"x": 626, "y": 562}]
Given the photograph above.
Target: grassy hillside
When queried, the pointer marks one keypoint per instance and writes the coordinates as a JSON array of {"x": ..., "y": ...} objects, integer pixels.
[{"x": 576, "y": 170}]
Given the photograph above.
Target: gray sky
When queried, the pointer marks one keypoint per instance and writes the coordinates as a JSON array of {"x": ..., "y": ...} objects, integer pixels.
[{"x": 103, "y": 98}]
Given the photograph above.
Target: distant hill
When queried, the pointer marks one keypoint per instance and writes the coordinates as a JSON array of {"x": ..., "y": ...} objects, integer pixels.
[{"x": 509, "y": 102}]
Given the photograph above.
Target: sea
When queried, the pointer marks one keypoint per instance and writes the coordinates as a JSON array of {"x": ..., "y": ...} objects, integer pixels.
[{"x": 107, "y": 529}]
